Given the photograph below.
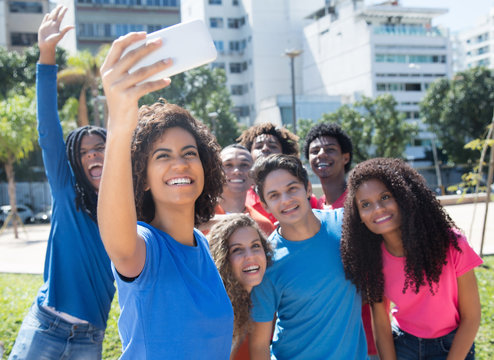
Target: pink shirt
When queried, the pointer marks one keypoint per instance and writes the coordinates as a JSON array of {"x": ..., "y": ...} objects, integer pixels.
[{"x": 425, "y": 315}]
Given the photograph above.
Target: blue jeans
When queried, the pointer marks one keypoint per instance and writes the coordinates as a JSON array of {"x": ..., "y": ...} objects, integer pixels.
[
  {"x": 46, "y": 336},
  {"x": 410, "y": 347}
]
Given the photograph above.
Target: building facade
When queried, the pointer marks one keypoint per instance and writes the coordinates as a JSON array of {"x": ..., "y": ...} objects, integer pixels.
[
  {"x": 352, "y": 49},
  {"x": 19, "y": 22},
  {"x": 99, "y": 22},
  {"x": 475, "y": 46},
  {"x": 252, "y": 38}
]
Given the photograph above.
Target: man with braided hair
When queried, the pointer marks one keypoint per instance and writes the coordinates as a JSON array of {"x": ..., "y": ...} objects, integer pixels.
[{"x": 68, "y": 317}]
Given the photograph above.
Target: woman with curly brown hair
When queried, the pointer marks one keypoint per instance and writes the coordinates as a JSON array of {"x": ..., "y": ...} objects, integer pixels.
[
  {"x": 241, "y": 253},
  {"x": 163, "y": 174},
  {"x": 399, "y": 244}
]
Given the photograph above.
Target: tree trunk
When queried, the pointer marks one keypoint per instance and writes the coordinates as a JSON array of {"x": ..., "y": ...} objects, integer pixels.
[
  {"x": 9, "y": 170},
  {"x": 82, "y": 117},
  {"x": 96, "y": 114}
]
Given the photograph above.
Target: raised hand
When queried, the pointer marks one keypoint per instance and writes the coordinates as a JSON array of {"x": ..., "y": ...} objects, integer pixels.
[
  {"x": 123, "y": 90},
  {"x": 49, "y": 34}
]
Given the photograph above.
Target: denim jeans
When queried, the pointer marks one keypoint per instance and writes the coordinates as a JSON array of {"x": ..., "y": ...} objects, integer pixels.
[
  {"x": 410, "y": 347},
  {"x": 46, "y": 336}
]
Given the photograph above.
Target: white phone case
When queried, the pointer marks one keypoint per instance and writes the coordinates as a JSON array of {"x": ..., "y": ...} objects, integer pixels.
[{"x": 188, "y": 44}]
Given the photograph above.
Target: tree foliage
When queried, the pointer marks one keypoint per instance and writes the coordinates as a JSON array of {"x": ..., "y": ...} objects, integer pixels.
[
  {"x": 203, "y": 92},
  {"x": 459, "y": 110},
  {"x": 18, "y": 70},
  {"x": 376, "y": 128}
]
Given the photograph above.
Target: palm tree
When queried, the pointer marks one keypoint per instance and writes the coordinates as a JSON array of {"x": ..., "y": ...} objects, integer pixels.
[{"x": 83, "y": 70}]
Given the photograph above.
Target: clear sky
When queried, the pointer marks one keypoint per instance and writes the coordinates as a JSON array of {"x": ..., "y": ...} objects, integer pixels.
[{"x": 462, "y": 13}]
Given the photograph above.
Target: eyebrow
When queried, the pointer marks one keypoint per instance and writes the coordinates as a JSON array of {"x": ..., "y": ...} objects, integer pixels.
[
  {"x": 239, "y": 244},
  {"x": 170, "y": 150},
  {"x": 289, "y": 184}
]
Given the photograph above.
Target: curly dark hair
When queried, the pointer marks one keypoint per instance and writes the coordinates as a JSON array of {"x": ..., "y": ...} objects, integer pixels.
[
  {"x": 86, "y": 198},
  {"x": 333, "y": 130},
  {"x": 264, "y": 166},
  {"x": 154, "y": 120},
  {"x": 287, "y": 139},
  {"x": 427, "y": 231},
  {"x": 218, "y": 240}
]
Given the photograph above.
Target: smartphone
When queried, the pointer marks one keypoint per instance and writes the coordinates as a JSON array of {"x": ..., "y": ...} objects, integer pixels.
[{"x": 188, "y": 44}]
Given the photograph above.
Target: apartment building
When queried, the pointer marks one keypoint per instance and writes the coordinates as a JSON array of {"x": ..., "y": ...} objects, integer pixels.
[
  {"x": 252, "y": 38},
  {"x": 19, "y": 22},
  {"x": 352, "y": 49},
  {"x": 100, "y": 22}
]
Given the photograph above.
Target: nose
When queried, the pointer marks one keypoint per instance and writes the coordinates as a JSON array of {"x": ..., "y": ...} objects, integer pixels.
[
  {"x": 180, "y": 163},
  {"x": 265, "y": 149}
]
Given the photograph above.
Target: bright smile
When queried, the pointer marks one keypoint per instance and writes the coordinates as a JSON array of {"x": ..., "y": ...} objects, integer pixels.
[
  {"x": 95, "y": 170},
  {"x": 179, "y": 181},
  {"x": 383, "y": 219},
  {"x": 251, "y": 269}
]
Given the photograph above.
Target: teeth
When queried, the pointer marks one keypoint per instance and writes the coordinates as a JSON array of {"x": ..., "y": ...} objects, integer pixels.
[
  {"x": 290, "y": 209},
  {"x": 383, "y": 218},
  {"x": 237, "y": 181},
  {"x": 94, "y": 165},
  {"x": 320, "y": 165},
  {"x": 251, "y": 268},
  {"x": 179, "y": 181}
]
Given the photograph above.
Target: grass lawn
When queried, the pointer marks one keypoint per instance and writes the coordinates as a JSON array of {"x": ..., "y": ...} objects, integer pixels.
[{"x": 18, "y": 291}]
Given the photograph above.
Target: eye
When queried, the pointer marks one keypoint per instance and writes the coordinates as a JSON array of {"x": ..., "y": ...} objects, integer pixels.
[
  {"x": 235, "y": 250},
  {"x": 100, "y": 148},
  {"x": 273, "y": 196},
  {"x": 162, "y": 155},
  {"x": 364, "y": 204},
  {"x": 191, "y": 154},
  {"x": 386, "y": 197}
]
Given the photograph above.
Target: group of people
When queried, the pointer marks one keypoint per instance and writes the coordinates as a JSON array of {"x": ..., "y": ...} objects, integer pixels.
[{"x": 281, "y": 273}]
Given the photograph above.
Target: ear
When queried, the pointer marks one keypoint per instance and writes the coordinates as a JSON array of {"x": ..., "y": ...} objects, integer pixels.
[
  {"x": 146, "y": 186},
  {"x": 346, "y": 158},
  {"x": 309, "y": 189}
]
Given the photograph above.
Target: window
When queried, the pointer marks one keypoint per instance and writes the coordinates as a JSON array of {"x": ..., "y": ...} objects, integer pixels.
[
  {"x": 218, "y": 65},
  {"x": 25, "y": 7},
  {"x": 237, "y": 45},
  {"x": 235, "y": 2},
  {"x": 239, "y": 89},
  {"x": 237, "y": 68},
  {"x": 153, "y": 28},
  {"x": 216, "y": 22},
  {"x": 241, "y": 111},
  {"x": 23, "y": 39},
  {"x": 235, "y": 23},
  {"x": 214, "y": 2},
  {"x": 219, "y": 45},
  {"x": 412, "y": 87}
]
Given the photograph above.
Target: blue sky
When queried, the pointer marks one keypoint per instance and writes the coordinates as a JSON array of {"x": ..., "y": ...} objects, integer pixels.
[{"x": 462, "y": 13}]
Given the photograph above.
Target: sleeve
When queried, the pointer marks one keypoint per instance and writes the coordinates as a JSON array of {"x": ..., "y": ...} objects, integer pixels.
[
  {"x": 265, "y": 301},
  {"x": 50, "y": 131},
  {"x": 465, "y": 260}
]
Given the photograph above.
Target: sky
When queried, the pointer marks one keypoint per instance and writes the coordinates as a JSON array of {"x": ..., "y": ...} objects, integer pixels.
[{"x": 462, "y": 14}]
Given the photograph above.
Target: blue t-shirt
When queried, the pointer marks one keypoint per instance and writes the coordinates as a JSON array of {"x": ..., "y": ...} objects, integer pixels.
[
  {"x": 177, "y": 308},
  {"x": 78, "y": 277},
  {"x": 318, "y": 310}
]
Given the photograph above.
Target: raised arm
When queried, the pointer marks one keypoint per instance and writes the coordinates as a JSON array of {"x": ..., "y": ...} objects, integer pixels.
[
  {"x": 116, "y": 208},
  {"x": 469, "y": 304},
  {"x": 50, "y": 34},
  {"x": 49, "y": 128}
]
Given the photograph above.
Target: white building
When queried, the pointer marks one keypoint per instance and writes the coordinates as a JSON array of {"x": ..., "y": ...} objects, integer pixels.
[
  {"x": 99, "y": 22},
  {"x": 251, "y": 38},
  {"x": 352, "y": 49},
  {"x": 19, "y": 22},
  {"x": 475, "y": 46}
]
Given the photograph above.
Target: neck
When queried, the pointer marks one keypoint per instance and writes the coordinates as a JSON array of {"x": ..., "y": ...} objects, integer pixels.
[
  {"x": 302, "y": 230},
  {"x": 177, "y": 222},
  {"x": 333, "y": 188},
  {"x": 394, "y": 244},
  {"x": 233, "y": 202}
]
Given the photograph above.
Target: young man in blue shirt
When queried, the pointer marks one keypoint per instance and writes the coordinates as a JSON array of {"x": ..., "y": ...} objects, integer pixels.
[{"x": 318, "y": 311}]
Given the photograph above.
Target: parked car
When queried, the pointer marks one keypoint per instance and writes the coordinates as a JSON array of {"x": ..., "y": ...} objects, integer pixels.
[
  {"x": 25, "y": 213},
  {"x": 43, "y": 217}
]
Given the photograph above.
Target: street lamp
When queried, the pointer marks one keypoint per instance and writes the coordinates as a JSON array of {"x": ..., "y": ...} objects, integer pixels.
[{"x": 292, "y": 54}]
